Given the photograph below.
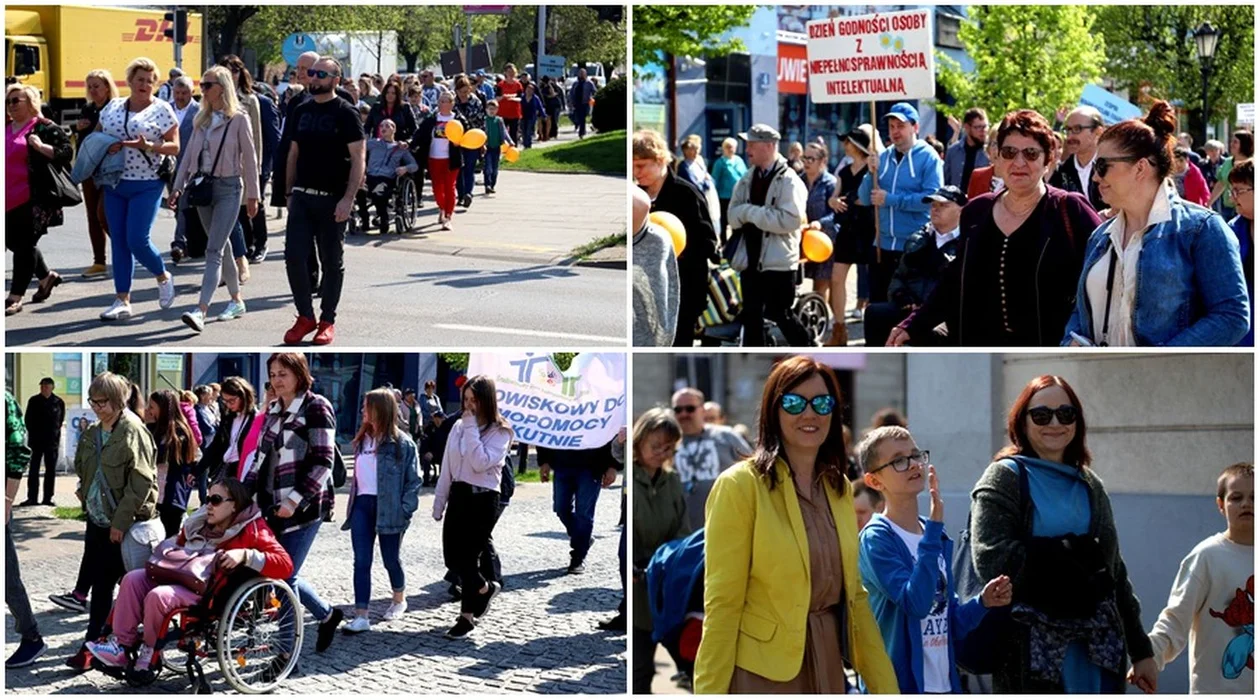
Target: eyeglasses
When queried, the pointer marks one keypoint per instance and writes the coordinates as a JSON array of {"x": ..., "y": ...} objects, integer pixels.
[
  {"x": 1237, "y": 192},
  {"x": 216, "y": 500},
  {"x": 902, "y": 464},
  {"x": 207, "y": 84},
  {"x": 1102, "y": 165},
  {"x": 98, "y": 403},
  {"x": 1077, "y": 129},
  {"x": 685, "y": 409},
  {"x": 794, "y": 404},
  {"x": 1031, "y": 155},
  {"x": 321, "y": 74},
  {"x": 810, "y": 159},
  {"x": 1041, "y": 414}
]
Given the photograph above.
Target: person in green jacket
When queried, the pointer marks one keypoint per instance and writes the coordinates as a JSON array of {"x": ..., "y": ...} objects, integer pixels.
[
  {"x": 660, "y": 515},
  {"x": 116, "y": 462},
  {"x": 727, "y": 171},
  {"x": 16, "y": 457}
]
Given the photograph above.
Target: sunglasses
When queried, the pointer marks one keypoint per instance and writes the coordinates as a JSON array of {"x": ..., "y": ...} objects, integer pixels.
[
  {"x": 14, "y": 100},
  {"x": 207, "y": 84},
  {"x": 1076, "y": 130},
  {"x": 217, "y": 500},
  {"x": 685, "y": 409},
  {"x": 321, "y": 74},
  {"x": 1031, "y": 155},
  {"x": 1102, "y": 165},
  {"x": 902, "y": 464},
  {"x": 1041, "y": 415},
  {"x": 794, "y": 404}
]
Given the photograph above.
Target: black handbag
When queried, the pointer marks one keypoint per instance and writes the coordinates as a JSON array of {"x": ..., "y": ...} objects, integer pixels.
[
  {"x": 54, "y": 188},
  {"x": 200, "y": 190}
]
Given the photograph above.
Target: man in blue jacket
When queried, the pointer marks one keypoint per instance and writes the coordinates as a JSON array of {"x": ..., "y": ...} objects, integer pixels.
[
  {"x": 908, "y": 172},
  {"x": 904, "y": 561}
]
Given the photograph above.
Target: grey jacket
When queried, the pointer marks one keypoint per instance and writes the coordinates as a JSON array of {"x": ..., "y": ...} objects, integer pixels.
[
  {"x": 780, "y": 219},
  {"x": 656, "y": 288},
  {"x": 956, "y": 159},
  {"x": 383, "y": 158}
]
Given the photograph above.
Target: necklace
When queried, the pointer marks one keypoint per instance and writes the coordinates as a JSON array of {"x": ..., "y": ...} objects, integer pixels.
[{"x": 1020, "y": 214}]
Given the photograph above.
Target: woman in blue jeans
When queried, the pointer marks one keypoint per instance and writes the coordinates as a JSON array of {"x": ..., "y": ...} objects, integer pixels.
[
  {"x": 148, "y": 131},
  {"x": 469, "y": 106},
  {"x": 383, "y": 496},
  {"x": 292, "y": 474}
]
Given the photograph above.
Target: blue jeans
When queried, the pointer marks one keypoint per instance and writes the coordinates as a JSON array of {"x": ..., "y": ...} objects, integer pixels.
[
  {"x": 579, "y": 119},
  {"x": 863, "y": 284},
  {"x": 298, "y": 545},
  {"x": 362, "y": 535},
  {"x": 490, "y": 173},
  {"x": 575, "y": 494},
  {"x": 238, "y": 241},
  {"x": 467, "y": 178},
  {"x": 131, "y": 209},
  {"x": 528, "y": 127}
]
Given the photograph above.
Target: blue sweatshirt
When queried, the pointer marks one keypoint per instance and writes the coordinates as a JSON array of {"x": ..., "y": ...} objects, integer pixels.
[
  {"x": 902, "y": 590},
  {"x": 918, "y": 175}
]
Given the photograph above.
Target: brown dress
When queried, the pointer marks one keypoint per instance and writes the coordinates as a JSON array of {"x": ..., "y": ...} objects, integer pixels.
[{"x": 822, "y": 670}]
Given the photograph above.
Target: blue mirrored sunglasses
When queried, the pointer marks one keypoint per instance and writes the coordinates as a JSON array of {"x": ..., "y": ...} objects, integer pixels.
[{"x": 795, "y": 404}]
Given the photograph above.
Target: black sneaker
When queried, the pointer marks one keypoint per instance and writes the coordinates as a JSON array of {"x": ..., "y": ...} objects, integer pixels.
[
  {"x": 456, "y": 592},
  {"x": 26, "y": 654},
  {"x": 70, "y": 602},
  {"x": 461, "y": 629},
  {"x": 617, "y": 624},
  {"x": 28, "y": 502},
  {"x": 328, "y": 629},
  {"x": 258, "y": 256},
  {"x": 47, "y": 503},
  {"x": 177, "y": 254},
  {"x": 484, "y": 603},
  {"x": 576, "y": 566}
]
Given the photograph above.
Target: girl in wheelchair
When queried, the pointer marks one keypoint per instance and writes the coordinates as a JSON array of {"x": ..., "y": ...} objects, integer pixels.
[{"x": 231, "y": 524}]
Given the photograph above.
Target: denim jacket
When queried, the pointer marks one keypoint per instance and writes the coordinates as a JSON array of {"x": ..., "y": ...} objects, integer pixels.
[
  {"x": 95, "y": 161},
  {"x": 1190, "y": 286},
  {"x": 397, "y": 486}
]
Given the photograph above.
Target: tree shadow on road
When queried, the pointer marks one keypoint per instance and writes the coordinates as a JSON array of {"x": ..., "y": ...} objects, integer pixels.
[
  {"x": 613, "y": 676},
  {"x": 471, "y": 279}
]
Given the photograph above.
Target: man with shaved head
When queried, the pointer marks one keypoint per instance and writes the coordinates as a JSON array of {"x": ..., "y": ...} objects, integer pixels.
[{"x": 655, "y": 280}]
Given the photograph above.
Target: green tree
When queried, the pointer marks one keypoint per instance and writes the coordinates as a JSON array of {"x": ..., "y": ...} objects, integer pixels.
[
  {"x": 425, "y": 31},
  {"x": 1151, "y": 51},
  {"x": 459, "y": 360},
  {"x": 1027, "y": 57},
  {"x": 581, "y": 37},
  {"x": 264, "y": 27},
  {"x": 686, "y": 30}
]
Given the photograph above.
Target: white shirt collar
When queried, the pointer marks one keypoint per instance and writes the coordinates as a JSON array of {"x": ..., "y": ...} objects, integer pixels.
[
  {"x": 1084, "y": 171},
  {"x": 1161, "y": 212},
  {"x": 944, "y": 238}
]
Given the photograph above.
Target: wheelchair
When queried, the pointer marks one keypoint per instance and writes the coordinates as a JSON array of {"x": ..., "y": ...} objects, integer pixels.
[
  {"x": 249, "y": 625},
  {"x": 404, "y": 204}
]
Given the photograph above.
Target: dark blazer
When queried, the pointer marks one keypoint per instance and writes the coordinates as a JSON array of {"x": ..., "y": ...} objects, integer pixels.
[
  {"x": 1057, "y": 272},
  {"x": 921, "y": 267},
  {"x": 682, "y": 199},
  {"x": 1065, "y": 177},
  {"x": 270, "y": 118},
  {"x": 402, "y": 117}
]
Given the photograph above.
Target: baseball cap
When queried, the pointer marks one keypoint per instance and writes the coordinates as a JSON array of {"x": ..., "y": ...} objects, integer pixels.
[
  {"x": 760, "y": 133},
  {"x": 948, "y": 193},
  {"x": 905, "y": 112}
]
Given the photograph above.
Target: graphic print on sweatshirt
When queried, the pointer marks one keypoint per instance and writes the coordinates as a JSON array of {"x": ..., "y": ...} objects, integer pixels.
[{"x": 1241, "y": 614}]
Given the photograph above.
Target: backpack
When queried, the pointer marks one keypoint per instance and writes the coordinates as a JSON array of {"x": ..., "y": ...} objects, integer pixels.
[
  {"x": 977, "y": 653},
  {"x": 339, "y": 468}
]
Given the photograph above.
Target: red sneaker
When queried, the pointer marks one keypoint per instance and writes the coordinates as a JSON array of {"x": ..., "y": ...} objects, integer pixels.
[
  {"x": 324, "y": 335},
  {"x": 301, "y": 328}
]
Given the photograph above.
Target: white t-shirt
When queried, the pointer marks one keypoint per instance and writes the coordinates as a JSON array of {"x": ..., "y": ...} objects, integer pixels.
[
  {"x": 233, "y": 454},
  {"x": 151, "y": 122},
  {"x": 365, "y": 468},
  {"x": 441, "y": 147},
  {"x": 935, "y": 625}
]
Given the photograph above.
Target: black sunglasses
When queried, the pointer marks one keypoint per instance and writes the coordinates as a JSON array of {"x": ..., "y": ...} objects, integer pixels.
[
  {"x": 1041, "y": 415},
  {"x": 321, "y": 74},
  {"x": 216, "y": 500},
  {"x": 1032, "y": 155},
  {"x": 15, "y": 100},
  {"x": 207, "y": 84},
  {"x": 795, "y": 404},
  {"x": 685, "y": 409},
  {"x": 1102, "y": 165}
]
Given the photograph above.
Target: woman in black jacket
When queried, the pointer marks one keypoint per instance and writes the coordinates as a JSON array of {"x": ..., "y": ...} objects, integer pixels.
[
  {"x": 391, "y": 106},
  {"x": 442, "y": 168},
  {"x": 672, "y": 194},
  {"x": 1020, "y": 253},
  {"x": 176, "y": 457},
  {"x": 235, "y": 441}
]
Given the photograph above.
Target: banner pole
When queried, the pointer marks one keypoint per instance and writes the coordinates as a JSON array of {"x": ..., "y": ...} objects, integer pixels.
[{"x": 875, "y": 182}]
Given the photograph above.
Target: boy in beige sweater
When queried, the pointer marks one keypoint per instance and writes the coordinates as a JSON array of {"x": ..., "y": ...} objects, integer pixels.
[{"x": 1211, "y": 604}]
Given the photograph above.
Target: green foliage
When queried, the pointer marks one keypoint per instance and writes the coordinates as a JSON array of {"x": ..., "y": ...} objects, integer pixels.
[
  {"x": 582, "y": 38},
  {"x": 1151, "y": 51},
  {"x": 686, "y": 30},
  {"x": 602, "y": 153},
  {"x": 1027, "y": 57},
  {"x": 458, "y": 361},
  {"x": 610, "y": 107}
]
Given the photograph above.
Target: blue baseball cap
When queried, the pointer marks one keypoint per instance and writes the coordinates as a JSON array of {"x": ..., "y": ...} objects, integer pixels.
[{"x": 905, "y": 112}]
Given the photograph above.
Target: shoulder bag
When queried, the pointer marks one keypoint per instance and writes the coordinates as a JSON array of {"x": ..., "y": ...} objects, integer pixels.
[
  {"x": 200, "y": 189},
  {"x": 174, "y": 565}
]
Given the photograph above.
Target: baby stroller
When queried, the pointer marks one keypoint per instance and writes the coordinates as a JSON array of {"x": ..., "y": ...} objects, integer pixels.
[{"x": 719, "y": 325}]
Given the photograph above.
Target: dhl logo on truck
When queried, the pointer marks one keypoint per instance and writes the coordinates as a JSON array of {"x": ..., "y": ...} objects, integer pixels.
[{"x": 153, "y": 30}]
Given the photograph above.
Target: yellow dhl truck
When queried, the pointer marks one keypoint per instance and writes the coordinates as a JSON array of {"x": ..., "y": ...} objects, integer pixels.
[{"x": 54, "y": 47}]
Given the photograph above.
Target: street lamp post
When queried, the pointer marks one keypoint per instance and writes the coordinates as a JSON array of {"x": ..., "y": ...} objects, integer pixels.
[{"x": 1206, "y": 38}]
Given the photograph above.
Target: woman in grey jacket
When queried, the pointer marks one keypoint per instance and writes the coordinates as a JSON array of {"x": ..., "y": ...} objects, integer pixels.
[
  {"x": 222, "y": 149},
  {"x": 383, "y": 496}
]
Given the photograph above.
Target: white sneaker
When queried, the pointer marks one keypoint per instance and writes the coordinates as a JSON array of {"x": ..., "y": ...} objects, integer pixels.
[
  {"x": 195, "y": 320},
  {"x": 395, "y": 611},
  {"x": 357, "y": 625},
  {"x": 117, "y": 312},
  {"x": 166, "y": 291},
  {"x": 235, "y": 309}
]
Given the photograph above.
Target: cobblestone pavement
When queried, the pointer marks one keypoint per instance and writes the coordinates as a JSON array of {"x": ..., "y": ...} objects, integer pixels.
[{"x": 540, "y": 636}]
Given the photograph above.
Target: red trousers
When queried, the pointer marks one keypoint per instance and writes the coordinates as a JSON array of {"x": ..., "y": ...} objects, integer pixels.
[{"x": 443, "y": 177}]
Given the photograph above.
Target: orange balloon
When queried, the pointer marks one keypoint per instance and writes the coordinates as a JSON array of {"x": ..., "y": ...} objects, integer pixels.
[
  {"x": 503, "y": 148},
  {"x": 454, "y": 132},
  {"x": 473, "y": 138},
  {"x": 512, "y": 154},
  {"x": 817, "y": 246},
  {"x": 674, "y": 226}
]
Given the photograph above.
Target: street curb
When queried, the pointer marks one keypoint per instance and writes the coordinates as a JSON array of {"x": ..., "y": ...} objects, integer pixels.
[{"x": 619, "y": 264}]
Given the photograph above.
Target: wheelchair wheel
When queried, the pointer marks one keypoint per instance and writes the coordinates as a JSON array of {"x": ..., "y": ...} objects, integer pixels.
[
  {"x": 406, "y": 205},
  {"x": 812, "y": 311},
  {"x": 259, "y": 635}
]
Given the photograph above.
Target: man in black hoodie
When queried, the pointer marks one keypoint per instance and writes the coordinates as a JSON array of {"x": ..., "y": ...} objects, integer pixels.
[{"x": 580, "y": 476}]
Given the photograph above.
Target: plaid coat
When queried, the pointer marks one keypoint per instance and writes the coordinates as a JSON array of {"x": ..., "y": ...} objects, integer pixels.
[{"x": 294, "y": 462}]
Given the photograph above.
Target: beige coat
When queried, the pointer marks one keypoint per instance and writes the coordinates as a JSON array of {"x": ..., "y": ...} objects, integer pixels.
[{"x": 239, "y": 157}]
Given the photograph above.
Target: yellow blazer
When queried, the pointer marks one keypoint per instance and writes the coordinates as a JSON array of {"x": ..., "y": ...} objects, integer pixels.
[{"x": 757, "y": 584}]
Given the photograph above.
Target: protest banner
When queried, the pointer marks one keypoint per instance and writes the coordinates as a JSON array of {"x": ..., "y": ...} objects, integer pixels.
[
  {"x": 879, "y": 57},
  {"x": 578, "y": 408},
  {"x": 1113, "y": 108}
]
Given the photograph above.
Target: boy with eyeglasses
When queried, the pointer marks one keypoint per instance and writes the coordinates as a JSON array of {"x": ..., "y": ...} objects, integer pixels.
[{"x": 904, "y": 562}]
